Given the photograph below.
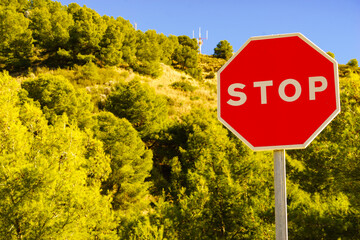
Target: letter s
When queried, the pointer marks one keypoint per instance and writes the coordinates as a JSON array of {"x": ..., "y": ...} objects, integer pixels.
[{"x": 233, "y": 93}]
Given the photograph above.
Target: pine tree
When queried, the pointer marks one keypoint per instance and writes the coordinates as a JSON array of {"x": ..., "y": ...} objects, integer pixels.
[
  {"x": 16, "y": 42},
  {"x": 86, "y": 33},
  {"x": 46, "y": 191},
  {"x": 57, "y": 96},
  {"x": 111, "y": 43},
  {"x": 130, "y": 161},
  {"x": 223, "y": 50},
  {"x": 139, "y": 104},
  {"x": 148, "y": 54},
  {"x": 216, "y": 186}
]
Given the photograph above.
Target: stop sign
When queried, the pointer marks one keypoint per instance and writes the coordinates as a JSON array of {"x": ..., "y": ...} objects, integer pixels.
[{"x": 278, "y": 92}]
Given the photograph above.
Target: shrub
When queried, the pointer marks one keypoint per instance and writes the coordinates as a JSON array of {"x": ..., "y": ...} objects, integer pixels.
[
  {"x": 57, "y": 96},
  {"x": 183, "y": 86},
  {"x": 139, "y": 104},
  {"x": 210, "y": 75}
]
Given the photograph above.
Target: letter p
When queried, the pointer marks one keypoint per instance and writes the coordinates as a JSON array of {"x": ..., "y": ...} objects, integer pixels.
[{"x": 313, "y": 89}]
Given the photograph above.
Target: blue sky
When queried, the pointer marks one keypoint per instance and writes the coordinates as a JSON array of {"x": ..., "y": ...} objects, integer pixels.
[{"x": 333, "y": 25}]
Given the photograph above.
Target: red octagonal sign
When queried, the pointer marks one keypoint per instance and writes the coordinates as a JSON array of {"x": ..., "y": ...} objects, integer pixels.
[{"x": 278, "y": 92}]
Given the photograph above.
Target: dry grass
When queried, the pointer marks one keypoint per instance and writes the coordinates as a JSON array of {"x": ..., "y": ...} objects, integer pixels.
[
  {"x": 180, "y": 102},
  {"x": 183, "y": 101},
  {"x": 210, "y": 65}
]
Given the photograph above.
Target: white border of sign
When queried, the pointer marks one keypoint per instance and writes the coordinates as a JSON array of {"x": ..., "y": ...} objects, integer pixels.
[{"x": 326, "y": 122}]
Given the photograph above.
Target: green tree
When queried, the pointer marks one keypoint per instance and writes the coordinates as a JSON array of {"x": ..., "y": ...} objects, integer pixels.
[
  {"x": 57, "y": 96},
  {"x": 353, "y": 63},
  {"x": 186, "y": 59},
  {"x": 351, "y": 70},
  {"x": 186, "y": 41},
  {"x": 128, "y": 48},
  {"x": 111, "y": 43},
  {"x": 139, "y": 104},
  {"x": 46, "y": 186},
  {"x": 331, "y": 54},
  {"x": 185, "y": 56},
  {"x": 148, "y": 54},
  {"x": 320, "y": 216},
  {"x": 223, "y": 50},
  {"x": 167, "y": 46},
  {"x": 16, "y": 42},
  {"x": 88, "y": 74},
  {"x": 327, "y": 170},
  {"x": 130, "y": 161},
  {"x": 86, "y": 33},
  {"x": 218, "y": 189},
  {"x": 50, "y": 25},
  {"x": 20, "y": 6}
]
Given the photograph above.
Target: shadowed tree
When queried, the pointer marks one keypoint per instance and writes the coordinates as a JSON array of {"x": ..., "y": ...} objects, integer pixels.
[
  {"x": 16, "y": 42},
  {"x": 139, "y": 104},
  {"x": 50, "y": 175},
  {"x": 223, "y": 50},
  {"x": 57, "y": 96}
]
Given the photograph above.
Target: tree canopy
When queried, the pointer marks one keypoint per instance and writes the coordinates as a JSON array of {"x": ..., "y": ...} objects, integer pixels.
[
  {"x": 139, "y": 104},
  {"x": 42, "y": 32},
  {"x": 223, "y": 50}
]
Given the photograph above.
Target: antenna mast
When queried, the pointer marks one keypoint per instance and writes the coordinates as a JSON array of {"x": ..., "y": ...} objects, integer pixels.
[{"x": 200, "y": 39}]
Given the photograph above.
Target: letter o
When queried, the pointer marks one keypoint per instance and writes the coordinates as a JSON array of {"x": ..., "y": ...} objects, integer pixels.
[{"x": 282, "y": 87}]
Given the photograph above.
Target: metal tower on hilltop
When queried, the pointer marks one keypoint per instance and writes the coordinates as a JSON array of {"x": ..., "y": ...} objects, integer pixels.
[{"x": 200, "y": 39}]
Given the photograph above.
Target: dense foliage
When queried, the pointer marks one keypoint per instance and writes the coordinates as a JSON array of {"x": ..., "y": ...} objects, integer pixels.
[
  {"x": 90, "y": 151},
  {"x": 45, "y": 33},
  {"x": 223, "y": 50}
]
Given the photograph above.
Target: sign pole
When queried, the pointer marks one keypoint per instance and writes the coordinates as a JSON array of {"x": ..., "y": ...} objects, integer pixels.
[{"x": 280, "y": 195}]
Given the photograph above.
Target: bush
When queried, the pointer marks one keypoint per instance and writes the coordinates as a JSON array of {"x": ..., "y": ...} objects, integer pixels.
[
  {"x": 223, "y": 50},
  {"x": 183, "y": 86},
  {"x": 57, "y": 96},
  {"x": 140, "y": 105},
  {"x": 210, "y": 75},
  {"x": 87, "y": 74},
  {"x": 194, "y": 72}
]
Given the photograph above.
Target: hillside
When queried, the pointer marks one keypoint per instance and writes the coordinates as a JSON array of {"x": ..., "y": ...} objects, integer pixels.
[
  {"x": 188, "y": 93},
  {"x": 111, "y": 133}
]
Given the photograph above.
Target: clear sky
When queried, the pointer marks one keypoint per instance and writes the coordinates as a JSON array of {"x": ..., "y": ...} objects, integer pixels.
[{"x": 333, "y": 25}]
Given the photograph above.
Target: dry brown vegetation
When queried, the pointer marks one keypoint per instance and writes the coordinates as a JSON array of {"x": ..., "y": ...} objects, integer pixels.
[{"x": 99, "y": 82}]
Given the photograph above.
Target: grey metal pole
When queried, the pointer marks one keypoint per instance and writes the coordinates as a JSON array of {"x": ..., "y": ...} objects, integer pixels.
[{"x": 281, "y": 224}]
